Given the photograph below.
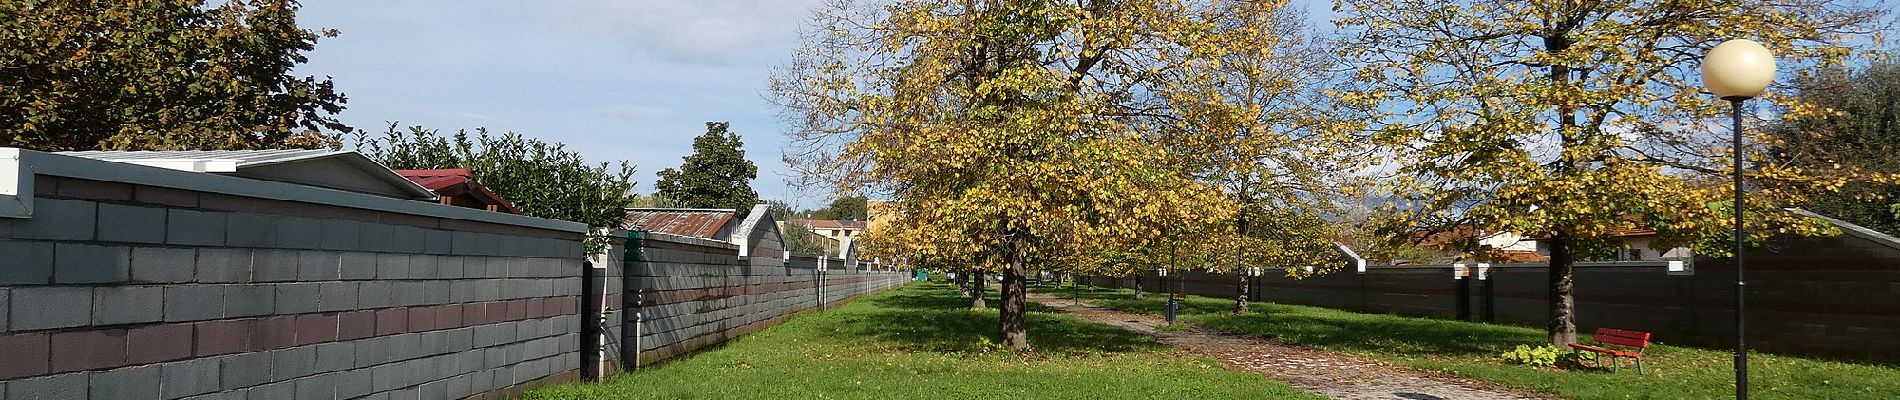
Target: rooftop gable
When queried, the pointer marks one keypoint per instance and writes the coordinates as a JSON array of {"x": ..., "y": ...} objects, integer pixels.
[{"x": 340, "y": 170}]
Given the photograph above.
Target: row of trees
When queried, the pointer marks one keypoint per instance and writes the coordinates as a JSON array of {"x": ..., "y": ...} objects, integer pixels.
[{"x": 1089, "y": 137}]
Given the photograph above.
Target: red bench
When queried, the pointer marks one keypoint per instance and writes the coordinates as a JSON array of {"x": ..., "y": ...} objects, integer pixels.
[{"x": 1618, "y": 337}]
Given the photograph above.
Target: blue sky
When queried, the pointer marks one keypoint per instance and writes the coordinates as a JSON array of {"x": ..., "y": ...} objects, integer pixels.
[{"x": 626, "y": 80}]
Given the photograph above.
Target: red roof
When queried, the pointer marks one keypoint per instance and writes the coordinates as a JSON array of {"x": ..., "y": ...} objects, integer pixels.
[
  {"x": 457, "y": 188},
  {"x": 695, "y": 222},
  {"x": 436, "y": 179}
]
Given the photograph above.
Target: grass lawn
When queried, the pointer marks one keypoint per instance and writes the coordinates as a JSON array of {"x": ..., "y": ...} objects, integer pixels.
[
  {"x": 923, "y": 342},
  {"x": 1471, "y": 349}
]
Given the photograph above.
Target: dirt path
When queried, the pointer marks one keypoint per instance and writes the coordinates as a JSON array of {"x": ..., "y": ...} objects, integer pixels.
[{"x": 1330, "y": 374}]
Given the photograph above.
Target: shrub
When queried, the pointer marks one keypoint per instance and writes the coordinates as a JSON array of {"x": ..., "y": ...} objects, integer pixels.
[{"x": 544, "y": 180}]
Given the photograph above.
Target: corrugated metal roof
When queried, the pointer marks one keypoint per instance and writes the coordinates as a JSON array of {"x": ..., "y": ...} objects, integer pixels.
[{"x": 695, "y": 222}]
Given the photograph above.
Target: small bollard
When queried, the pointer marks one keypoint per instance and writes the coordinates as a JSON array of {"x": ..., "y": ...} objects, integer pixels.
[{"x": 1174, "y": 307}]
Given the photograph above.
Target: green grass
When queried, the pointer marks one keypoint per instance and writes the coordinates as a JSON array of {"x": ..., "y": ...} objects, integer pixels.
[
  {"x": 923, "y": 342},
  {"x": 1471, "y": 349}
]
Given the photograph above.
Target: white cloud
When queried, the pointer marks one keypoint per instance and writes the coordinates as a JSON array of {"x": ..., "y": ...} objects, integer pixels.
[{"x": 701, "y": 32}]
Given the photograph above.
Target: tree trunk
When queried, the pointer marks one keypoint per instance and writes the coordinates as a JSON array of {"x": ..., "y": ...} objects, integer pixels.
[
  {"x": 1240, "y": 267},
  {"x": 1562, "y": 330},
  {"x": 963, "y": 284},
  {"x": 1012, "y": 319},
  {"x": 1563, "y": 320},
  {"x": 976, "y": 290},
  {"x": 1137, "y": 287}
]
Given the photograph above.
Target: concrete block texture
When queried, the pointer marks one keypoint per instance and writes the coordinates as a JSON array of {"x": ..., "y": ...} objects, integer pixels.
[
  {"x": 357, "y": 266},
  {"x": 49, "y": 307},
  {"x": 163, "y": 264},
  {"x": 275, "y": 265},
  {"x": 377, "y": 238},
  {"x": 26, "y": 263},
  {"x": 333, "y": 357},
  {"x": 318, "y": 266},
  {"x": 245, "y": 370},
  {"x": 58, "y": 219},
  {"x": 222, "y": 265},
  {"x": 293, "y": 363},
  {"x": 340, "y": 234},
  {"x": 273, "y": 390},
  {"x": 393, "y": 266},
  {"x": 122, "y": 223},
  {"x": 84, "y": 263},
  {"x": 317, "y": 386},
  {"x": 189, "y": 378},
  {"x": 5, "y": 296},
  {"x": 406, "y": 239},
  {"x": 141, "y": 382},
  {"x": 250, "y": 300},
  {"x": 195, "y": 228},
  {"x": 297, "y": 298},
  {"x": 336, "y": 296},
  {"x": 116, "y": 305},
  {"x": 194, "y": 302},
  {"x": 353, "y": 383},
  {"x": 73, "y": 386}
]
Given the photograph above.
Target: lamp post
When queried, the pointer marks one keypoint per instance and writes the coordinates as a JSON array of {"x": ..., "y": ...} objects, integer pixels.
[{"x": 1738, "y": 70}]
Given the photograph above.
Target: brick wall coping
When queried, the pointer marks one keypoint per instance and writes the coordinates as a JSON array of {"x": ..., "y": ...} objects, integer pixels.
[{"x": 18, "y": 167}]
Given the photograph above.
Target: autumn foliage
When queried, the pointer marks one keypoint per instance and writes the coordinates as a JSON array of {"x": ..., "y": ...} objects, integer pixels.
[{"x": 1018, "y": 135}]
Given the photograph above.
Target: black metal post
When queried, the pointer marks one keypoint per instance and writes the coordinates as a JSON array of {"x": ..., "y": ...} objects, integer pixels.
[
  {"x": 1487, "y": 300},
  {"x": 1741, "y": 278},
  {"x": 1254, "y": 288},
  {"x": 1464, "y": 299},
  {"x": 591, "y": 318}
]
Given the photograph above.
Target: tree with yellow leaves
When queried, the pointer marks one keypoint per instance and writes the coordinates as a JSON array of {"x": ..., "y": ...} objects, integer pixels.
[
  {"x": 1573, "y": 120},
  {"x": 1024, "y": 134}
]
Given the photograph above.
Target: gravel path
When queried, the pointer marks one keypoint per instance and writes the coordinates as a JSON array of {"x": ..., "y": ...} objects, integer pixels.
[{"x": 1330, "y": 374}]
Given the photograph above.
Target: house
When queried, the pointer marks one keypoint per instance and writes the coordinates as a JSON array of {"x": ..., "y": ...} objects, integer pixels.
[
  {"x": 757, "y": 234},
  {"x": 1465, "y": 243},
  {"x": 331, "y": 169},
  {"x": 1468, "y": 243},
  {"x": 836, "y": 229},
  {"x": 1636, "y": 247},
  {"x": 456, "y": 187},
  {"x": 838, "y": 233}
]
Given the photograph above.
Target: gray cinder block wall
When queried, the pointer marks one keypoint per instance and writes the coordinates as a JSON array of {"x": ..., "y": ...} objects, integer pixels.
[
  {"x": 1830, "y": 297},
  {"x": 684, "y": 293},
  {"x": 134, "y": 282}
]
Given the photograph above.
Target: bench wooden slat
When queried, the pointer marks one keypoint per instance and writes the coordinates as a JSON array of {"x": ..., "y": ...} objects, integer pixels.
[{"x": 1621, "y": 337}]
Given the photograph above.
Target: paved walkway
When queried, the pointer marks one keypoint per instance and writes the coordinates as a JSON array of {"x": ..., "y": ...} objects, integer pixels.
[{"x": 1330, "y": 374}]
